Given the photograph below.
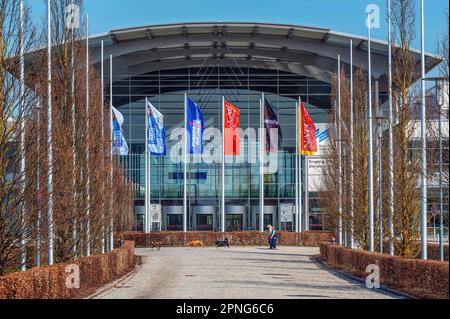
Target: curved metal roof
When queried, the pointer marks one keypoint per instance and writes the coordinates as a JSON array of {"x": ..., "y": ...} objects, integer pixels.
[{"x": 297, "y": 49}]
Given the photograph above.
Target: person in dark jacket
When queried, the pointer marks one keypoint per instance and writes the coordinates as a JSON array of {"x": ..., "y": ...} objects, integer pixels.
[
  {"x": 269, "y": 237},
  {"x": 273, "y": 236}
]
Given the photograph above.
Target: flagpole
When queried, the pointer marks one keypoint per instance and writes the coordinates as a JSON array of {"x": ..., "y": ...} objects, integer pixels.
[
  {"x": 38, "y": 183},
  {"x": 23, "y": 256},
  {"x": 102, "y": 80},
  {"x": 339, "y": 154},
  {"x": 49, "y": 139},
  {"x": 185, "y": 166},
  {"x": 223, "y": 165},
  {"x": 111, "y": 231},
  {"x": 261, "y": 167},
  {"x": 149, "y": 159},
  {"x": 146, "y": 225},
  {"x": 88, "y": 175},
  {"x": 299, "y": 172},
  {"x": 370, "y": 138},
  {"x": 297, "y": 106},
  {"x": 441, "y": 202},
  {"x": 351, "y": 148},
  {"x": 74, "y": 181},
  {"x": 380, "y": 168},
  {"x": 423, "y": 136},
  {"x": 390, "y": 144}
]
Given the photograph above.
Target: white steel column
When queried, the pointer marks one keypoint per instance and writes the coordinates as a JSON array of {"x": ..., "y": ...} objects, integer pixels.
[
  {"x": 390, "y": 144},
  {"x": 88, "y": 174},
  {"x": 147, "y": 201},
  {"x": 339, "y": 155},
  {"x": 299, "y": 171},
  {"x": 102, "y": 81},
  {"x": 38, "y": 182},
  {"x": 305, "y": 192},
  {"x": 297, "y": 194},
  {"x": 111, "y": 226},
  {"x": 441, "y": 203},
  {"x": 380, "y": 167},
  {"x": 423, "y": 137},
  {"x": 223, "y": 167},
  {"x": 74, "y": 180},
  {"x": 261, "y": 164},
  {"x": 185, "y": 166},
  {"x": 23, "y": 256},
  {"x": 49, "y": 139},
  {"x": 351, "y": 244},
  {"x": 370, "y": 138}
]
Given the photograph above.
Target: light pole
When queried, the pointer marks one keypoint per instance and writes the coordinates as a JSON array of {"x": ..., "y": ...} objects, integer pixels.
[
  {"x": 423, "y": 138},
  {"x": 49, "y": 138},
  {"x": 370, "y": 133},
  {"x": 351, "y": 191},
  {"x": 23, "y": 241},
  {"x": 390, "y": 143},
  {"x": 339, "y": 154},
  {"x": 441, "y": 200}
]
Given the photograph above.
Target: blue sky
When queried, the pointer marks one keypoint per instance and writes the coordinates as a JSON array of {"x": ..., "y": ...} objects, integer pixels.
[{"x": 339, "y": 15}]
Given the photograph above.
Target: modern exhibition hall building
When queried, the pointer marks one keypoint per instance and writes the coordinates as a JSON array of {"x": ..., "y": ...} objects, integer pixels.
[{"x": 237, "y": 61}]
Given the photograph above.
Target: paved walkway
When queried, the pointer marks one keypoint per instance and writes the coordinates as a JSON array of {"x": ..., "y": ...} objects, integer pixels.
[{"x": 236, "y": 273}]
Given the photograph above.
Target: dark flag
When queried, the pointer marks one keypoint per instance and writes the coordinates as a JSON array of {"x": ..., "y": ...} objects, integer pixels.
[{"x": 271, "y": 126}]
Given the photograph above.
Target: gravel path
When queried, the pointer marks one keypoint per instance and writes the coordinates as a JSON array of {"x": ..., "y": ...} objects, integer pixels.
[{"x": 235, "y": 273}]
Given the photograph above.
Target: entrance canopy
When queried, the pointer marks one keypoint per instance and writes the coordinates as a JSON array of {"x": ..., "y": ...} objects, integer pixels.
[{"x": 301, "y": 50}]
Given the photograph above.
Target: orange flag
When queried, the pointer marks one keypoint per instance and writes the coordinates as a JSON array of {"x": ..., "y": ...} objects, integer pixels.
[
  {"x": 232, "y": 142},
  {"x": 308, "y": 133}
]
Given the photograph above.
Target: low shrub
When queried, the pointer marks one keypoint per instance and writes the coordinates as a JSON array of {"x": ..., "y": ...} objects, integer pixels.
[
  {"x": 241, "y": 238},
  {"x": 50, "y": 282},
  {"x": 416, "y": 277}
]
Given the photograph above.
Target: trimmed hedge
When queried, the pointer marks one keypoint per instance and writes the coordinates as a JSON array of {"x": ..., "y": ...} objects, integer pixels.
[
  {"x": 416, "y": 277},
  {"x": 242, "y": 238},
  {"x": 433, "y": 251},
  {"x": 50, "y": 282}
]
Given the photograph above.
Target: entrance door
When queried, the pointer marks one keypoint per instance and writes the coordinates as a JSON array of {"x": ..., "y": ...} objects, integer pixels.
[
  {"x": 204, "y": 222},
  {"x": 234, "y": 222},
  {"x": 174, "y": 222},
  {"x": 268, "y": 220},
  {"x": 140, "y": 222}
]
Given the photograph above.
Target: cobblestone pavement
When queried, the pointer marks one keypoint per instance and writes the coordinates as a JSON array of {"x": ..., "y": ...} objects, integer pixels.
[{"x": 236, "y": 273}]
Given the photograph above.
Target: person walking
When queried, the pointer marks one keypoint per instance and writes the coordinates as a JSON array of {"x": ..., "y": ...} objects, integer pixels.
[
  {"x": 269, "y": 237},
  {"x": 273, "y": 238}
]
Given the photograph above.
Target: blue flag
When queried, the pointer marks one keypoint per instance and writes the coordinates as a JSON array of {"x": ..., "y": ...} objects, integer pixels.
[
  {"x": 195, "y": 126},
  {"x": 119, "y": 144},
  {"x": 156, "y": 135}
]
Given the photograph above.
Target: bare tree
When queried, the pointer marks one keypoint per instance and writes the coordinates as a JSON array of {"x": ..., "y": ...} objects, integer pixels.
[
  {"x": 12, "y": 118},
  {"x": 82, "y": 210}
]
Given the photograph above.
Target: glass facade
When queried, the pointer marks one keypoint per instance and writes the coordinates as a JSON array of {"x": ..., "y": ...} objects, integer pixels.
[{"x": 243, "y": 88}]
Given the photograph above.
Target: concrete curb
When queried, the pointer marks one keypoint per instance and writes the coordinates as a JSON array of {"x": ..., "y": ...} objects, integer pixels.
[
  {"x": 114, "y": 283},
  {"x": 345, "y": 275}
]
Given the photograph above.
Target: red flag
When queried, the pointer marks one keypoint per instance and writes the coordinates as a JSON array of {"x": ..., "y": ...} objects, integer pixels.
[
  {"x": 308, "y": 133},
  {"x": 232, "y": 142}
]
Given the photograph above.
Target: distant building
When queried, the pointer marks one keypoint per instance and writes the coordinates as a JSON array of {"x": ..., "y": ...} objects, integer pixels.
[{"x": 238, "y": 61}]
